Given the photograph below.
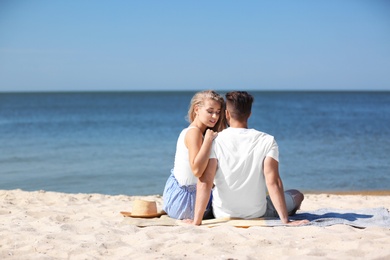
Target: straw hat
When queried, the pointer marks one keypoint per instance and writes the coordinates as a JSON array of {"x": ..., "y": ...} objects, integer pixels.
[{"x": 143, "y": 209}]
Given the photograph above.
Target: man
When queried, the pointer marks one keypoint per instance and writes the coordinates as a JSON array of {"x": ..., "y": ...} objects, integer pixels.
[{"x": 243, "y": 165}]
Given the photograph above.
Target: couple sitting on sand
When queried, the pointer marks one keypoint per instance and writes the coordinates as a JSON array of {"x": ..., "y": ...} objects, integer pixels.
[{"x": 225, "y": 172}]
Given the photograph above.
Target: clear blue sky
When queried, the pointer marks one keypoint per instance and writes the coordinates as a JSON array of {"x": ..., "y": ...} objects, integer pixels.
[{"x": 177, "y": 45}]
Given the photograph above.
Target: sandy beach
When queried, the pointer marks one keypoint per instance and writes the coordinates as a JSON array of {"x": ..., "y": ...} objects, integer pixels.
[{"x": 51, "y": 225}]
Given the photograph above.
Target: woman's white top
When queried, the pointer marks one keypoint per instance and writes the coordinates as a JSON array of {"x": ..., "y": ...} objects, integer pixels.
[{"x": 182, "y": 169}]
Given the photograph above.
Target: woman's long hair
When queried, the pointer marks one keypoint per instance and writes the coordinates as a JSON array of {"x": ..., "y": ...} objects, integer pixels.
[{"x": 199, "y": 98}]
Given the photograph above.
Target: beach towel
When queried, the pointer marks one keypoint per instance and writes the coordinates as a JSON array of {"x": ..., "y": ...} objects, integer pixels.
[{"x": 360, "y": 218}]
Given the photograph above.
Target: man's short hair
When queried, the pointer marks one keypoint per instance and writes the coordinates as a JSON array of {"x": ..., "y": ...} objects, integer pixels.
[{"x": 239, "y": 104}]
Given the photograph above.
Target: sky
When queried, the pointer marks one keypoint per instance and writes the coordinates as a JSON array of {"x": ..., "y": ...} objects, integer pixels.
[{"x": 116, "y": 45}]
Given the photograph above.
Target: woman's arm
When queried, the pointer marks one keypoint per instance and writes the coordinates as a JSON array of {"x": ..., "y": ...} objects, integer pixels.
[{"x": 199, "y": 149}]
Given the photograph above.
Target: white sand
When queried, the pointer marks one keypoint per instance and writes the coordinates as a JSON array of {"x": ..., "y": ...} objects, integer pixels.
[{"x": 49, "y": 225}]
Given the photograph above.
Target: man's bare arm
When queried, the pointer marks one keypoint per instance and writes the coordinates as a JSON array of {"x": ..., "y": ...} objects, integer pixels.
[
  {"x": 275, "y": 187},
  {"x": 276, "y": 191}
]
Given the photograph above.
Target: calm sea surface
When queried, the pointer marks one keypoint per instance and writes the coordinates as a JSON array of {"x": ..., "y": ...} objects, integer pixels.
[{"x": 124, "y": 142}]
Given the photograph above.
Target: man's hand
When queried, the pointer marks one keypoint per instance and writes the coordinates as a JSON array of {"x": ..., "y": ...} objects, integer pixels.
[{"x": 298, "y": 222}]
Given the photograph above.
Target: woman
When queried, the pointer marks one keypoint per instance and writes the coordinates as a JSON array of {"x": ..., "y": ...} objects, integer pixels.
[{"x": 207, "y": 117}]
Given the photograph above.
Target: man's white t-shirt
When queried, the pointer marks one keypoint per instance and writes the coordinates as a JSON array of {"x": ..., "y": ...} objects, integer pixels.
[{"x": 240, "y": 189}]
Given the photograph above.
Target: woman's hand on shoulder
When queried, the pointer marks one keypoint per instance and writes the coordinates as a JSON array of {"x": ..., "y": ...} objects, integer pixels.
[{"x": 210, "y": 135}]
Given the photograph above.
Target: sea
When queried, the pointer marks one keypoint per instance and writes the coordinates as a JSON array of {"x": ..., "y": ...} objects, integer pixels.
[{"x": 124, "y": 142}]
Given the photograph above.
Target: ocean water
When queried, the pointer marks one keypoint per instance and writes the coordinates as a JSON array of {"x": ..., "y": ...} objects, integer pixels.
[{"x": 124, "y": 142}]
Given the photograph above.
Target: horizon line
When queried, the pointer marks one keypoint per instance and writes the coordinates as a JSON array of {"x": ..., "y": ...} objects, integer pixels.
[{"x": 189, "y": 90}]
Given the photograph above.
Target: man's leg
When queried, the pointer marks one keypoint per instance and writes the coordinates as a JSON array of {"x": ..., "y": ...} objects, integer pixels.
[
  {"x": 293, "y": 200},
  {"x": 295, "y": 197}
]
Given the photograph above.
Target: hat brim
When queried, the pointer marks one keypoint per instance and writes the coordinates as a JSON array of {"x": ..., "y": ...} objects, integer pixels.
[{"x": 155, "y": 215}]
